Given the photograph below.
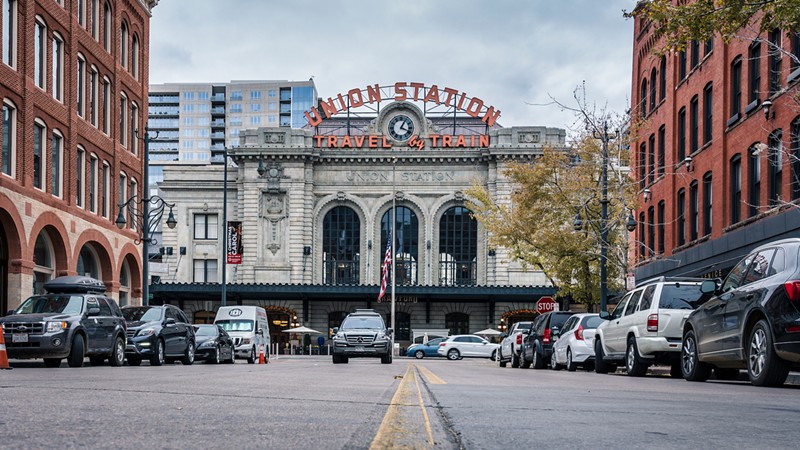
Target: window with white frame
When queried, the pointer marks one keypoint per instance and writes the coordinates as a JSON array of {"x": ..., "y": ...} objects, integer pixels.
[
  {"x": 93, "y": 17},
  {"x": 82, "y": 13},
  {"x": 81, "y": 80},
  {"x": 39, "y": 163},
  {"x": 58, "y": 67},
  {"x": 123, "y": 44},
  {"x": 134, "y": 128},
  {"x": 105, "y": 191},
  {"x": 122, "y": 194},
  {"x": 93, "y": 80},
  {"x": 9, "y": 29},
  {"x": 106, "y": 106},
  {"x": 205, "y": 270},
  {"x": 135, "y": 57},
  {"x": 123, "y": 119},
  {"x": 134, "y": 191},
  {"x": 205, "y": 226},
  {"x": 93, "y": 183},
  {"x": 8, "y": 137},
  {"x": 56, "y": 162},
  {"x": 80, "y": 173},
  {"x": 39, "y": 52},
  {"x": 107, "y": 27}
]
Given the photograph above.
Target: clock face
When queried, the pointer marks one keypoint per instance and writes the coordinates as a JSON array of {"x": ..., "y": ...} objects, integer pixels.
[{"x": 401, "y": 127}]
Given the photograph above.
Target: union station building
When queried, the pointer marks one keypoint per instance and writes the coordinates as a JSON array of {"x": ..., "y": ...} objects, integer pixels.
[{"x": 309, "y": 217}]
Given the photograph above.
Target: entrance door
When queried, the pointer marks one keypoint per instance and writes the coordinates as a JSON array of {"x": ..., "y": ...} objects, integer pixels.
[{"x": 279, "y": 322}]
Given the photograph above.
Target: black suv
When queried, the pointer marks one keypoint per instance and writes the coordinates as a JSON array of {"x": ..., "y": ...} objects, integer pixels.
[
  {"x": 363, "y": 334},
  {"x": 72, "y": 320},
  {"x": 537, "y": 343},
  {"x": 158, "y": 333},
  {"x": 751, "y": 322}
]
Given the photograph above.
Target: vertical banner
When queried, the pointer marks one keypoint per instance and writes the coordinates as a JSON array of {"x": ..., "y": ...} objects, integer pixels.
[{"x": 235, "y": 247}]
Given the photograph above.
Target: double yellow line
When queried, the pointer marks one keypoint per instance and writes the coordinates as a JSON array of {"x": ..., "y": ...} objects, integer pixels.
[{"x": 399, "y": 426}]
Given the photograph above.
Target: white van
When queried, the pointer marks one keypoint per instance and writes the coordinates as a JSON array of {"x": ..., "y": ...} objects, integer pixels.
[{"x": 249, "y": 328}]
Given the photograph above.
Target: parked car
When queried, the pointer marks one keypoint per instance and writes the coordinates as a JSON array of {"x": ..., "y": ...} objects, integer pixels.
[
  {"x": 362, "y": 334},
  {"x": 249, "y": 328},
  {"x": 428, "y": 349},
  {"x": 160, "y": 334},
  {"x": 574, "y": 344},
  {"x": 511, "y": 345},
  {"x": 214, "y": 344},
  {"x": 72, "y": 320},
  {"x": 751, "y": 322},
  {"x": 537, "y": 343},
  {"x": 467, "y": 346},
  {"x": 646, "y": 326}
]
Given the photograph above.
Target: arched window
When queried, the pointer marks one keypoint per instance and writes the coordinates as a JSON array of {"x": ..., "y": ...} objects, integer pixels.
[
  {"x": 775, "y": 158},
  {"x": 736, "y": 189},
  {"x": 124, "y": 284},
  {"x": 458, "y": 247},
  {"x": 135, "y": 57},
  {"x": 643, "y": 100},
  {"x": 708, "y": 203},
  {"x": 406, "y": 238},
  {"x": 653, "y": 89},
  {"x": 87, "y": 263},
  {"x": 457, "y": 323},
  {"x": 107, "y": 31},
  {"x": 123, "y": 44},
  {"x": 754, "y": 180},
  {"x": 341, "y": 244},
  {"x": 43, "y": 262},
  {"x": 662, "y": 79}
]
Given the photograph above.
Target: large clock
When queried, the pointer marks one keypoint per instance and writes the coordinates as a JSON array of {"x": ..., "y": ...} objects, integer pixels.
[{"x": 401, "y": 127}]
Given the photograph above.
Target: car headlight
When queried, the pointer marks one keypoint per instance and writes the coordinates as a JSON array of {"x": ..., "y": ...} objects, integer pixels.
[
  {"x": 338, "y": 336},
  {"x": 146, "y": 332},
  {"x": 53, "y": 327},
  {"x": 207, "y": 344},
  {"x": 245, "y": 341}
]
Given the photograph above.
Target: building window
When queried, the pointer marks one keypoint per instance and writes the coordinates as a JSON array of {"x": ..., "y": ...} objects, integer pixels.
[
  {"x": 40, "y": 53},
  {"x": 693, "y": 211},
  {"x": 58, "y": 68},
  {"x": 134, "y": 128},
  {"x": 106, "y": 106},
  {"x": 662, "y": 143},
  {"x": 93, "y": 75},
  {"x": 255, "y": 107},
  {"x": 341, "y": 246},
  {"x": 694, "y": 125},
  {"x": 795, "y": 158},
  {"x": 661, "y": 218},
  {"x": 653, "y": 89},
  {"x": 9, "y": 38},
  {"x": 651, "y": 231},
  {"x": 124, "y": 284},
  {"x": 644, "y": 97},
  {"x": 205, "y": 226},
  {"x": 642, "y": 244},
  {"x": 406, "y": 244},
  {"x": 82, "y": 13},
  {"x": 457, "y": 323},
  {"x": 123, "y": 119},
  {"x": 754, "y": 71},
  {"x": 775, "y": 158},
  {"x": 681, "y": 217},
  {"x": 651, "y": 153},
  {"x": 93, "y": 16},
  {"x": 681, "y": 64},
  {"x": 681, "y": 134},
  {"x": 695, "y": 46},
  {"x": 205, "y": 271},
  {"x": 736, "y": 88},
  {"x": 81, "y": 80},
  {"x": 662, "y": 79},
  {"x": 80, "y": 173},
  {"x": 105, "y": 190},
  {"x": 122, "y": 195},
  {"x": 642, "y": 165},
  {"x": 775, "y": 59},
  {"x": 107, "y": 32},
  {"x": 39, "y": 164},
  {"x": 135, "y": 57},
  {"x": 458, "y": 247},
  {"x": 754, "y": 191},
  {"x": 708, "y": 199},
  {"x": 795, "y": 57},
  {"x": 709, "y": 46},
  {"x": 92, "y": 183},
  {"x": 134, "y": 191},
  {"x": 57, "y": 163},
  {"x": 8, "y": 134},
  {"x": 708, "y": 113},
  {"x": 736, "y": 189},
  {"x": 123, "y": 44}
]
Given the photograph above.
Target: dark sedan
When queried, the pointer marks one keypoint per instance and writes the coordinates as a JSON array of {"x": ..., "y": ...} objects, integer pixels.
[
  {"x": 214, "y": 344},
  {"x": 158, "y": 333},
  {"x": 752, "y": 322}
]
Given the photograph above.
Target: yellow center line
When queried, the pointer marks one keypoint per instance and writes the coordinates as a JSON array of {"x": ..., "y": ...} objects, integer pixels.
[
  {"x": 422, "y": 406},
  {"x": 432, "y": 378},
  {"x": 397, "y": 430}
]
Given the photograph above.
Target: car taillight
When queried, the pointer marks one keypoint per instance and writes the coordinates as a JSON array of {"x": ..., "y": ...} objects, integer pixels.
[
  {"x": 793, "y": 290},
  {"x": 546, "y": 337},
  {"x": 442, "y": 344},
  {"x": 579, "y": 333},
  {"x": 519, "y": 338},
  {"x": 652, "y": 322}
]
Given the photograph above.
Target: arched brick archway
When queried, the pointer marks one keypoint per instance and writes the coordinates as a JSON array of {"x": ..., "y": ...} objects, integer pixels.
[
  {"x": 131, "y": 254},
  {"x": 11, "y": 248},
  {"x": 57, "y": 233},
  {"x": 100, "y": 245}
]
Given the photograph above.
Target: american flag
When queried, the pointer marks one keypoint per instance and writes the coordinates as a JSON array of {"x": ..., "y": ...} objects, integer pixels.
[{"x": 387, "y": 261}]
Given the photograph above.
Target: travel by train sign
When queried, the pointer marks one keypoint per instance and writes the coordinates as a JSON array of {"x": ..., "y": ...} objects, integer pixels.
[{"x": 403, "y": 129}]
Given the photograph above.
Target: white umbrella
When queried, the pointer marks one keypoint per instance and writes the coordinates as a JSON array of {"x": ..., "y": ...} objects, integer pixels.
[
  {"x": 424, "y": 338},
  {"x": 302, "y": 330},
  {"x": 488, "y": 332}
]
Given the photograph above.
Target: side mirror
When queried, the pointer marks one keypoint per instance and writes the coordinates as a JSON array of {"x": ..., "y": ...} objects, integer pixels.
[
  {"x": 93, "y": 311},
  {"x": 389, "y": 331},
  {"x": 708, "y": 287},
  {"x": 604, "y": 315},
  {"x": 10, "y": 312},
  {"x": 169, "y": 322},
  {"x": 335, "y": 330},
  {"x": 260, "y": 332}
]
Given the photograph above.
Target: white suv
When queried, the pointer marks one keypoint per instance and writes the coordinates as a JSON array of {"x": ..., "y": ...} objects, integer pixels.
[
  {"x": 646, "y": 326},
  {"x": 467, "y": 346}
]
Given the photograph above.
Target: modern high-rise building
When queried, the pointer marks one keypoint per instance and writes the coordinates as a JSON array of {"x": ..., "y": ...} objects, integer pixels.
[{"x": 73, "y": 90}]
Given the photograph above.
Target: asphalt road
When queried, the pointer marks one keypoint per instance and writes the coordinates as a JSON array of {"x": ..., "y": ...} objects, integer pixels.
[{"x": 307, "y": 402}]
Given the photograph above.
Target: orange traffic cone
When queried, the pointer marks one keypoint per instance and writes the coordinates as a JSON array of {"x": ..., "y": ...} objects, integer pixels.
[
  {"x": 261, "y": 359},
  {"x": 3, "y": 353}
]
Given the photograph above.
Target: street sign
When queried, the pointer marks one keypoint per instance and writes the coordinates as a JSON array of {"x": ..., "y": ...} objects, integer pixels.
[{"x": 546, "y": 304}]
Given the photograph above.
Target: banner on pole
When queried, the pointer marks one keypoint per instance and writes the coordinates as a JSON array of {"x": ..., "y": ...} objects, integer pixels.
[{"x": 235, "y": 247}]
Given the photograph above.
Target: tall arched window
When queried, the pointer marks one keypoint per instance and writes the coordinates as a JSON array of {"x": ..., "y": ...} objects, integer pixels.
[
  {"x": 341, "y": 243},
  {"x": 406, "y": 239},
  {"x": 458, "y": 247},
  {"x": 43, "y": 262},
  {"x": 457, "y": 323},
  {"x": 644, "y": 97},
  {"x": 87, "y": 263},
  {"x": 662, "y": 79},
  {"x": 653, "y": 89},
  {"x": 123, "y": 44}
]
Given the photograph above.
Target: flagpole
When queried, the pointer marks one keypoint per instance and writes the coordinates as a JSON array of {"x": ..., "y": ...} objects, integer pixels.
[{"x": 393, "y": 238}]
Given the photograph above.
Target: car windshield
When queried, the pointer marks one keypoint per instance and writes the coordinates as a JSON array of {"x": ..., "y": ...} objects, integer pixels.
[
  {"x": 141, "y": 314},
  {"x": 205, "y": 330},
  {"x": 681, "y": 296},
  {"x": 235, "y": 325},
  {"x": 46, "y": 304},
  {"x": 360, "y": 322}
]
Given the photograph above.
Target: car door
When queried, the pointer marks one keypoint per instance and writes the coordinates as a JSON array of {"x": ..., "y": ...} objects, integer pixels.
[
  {"x": 173, "y": 338},
  {"x": 480, "y": 347},
  {"x": 107, "y": 325},
  {"x": 613, "y": 336},
  {"x": 561, "y": 344}
]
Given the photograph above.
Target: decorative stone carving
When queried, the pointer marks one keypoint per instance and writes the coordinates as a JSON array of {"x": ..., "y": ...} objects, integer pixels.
[
  {"x": 459, "y": 196},
  {"x": 273, "y": 210},
  {"x": 529, "y": 138},
  {"x": 399, "y": 196},
  {"x": 274, "y": 138},
  {"x": 274, "y": 174},
  {"x": 341, "y": 196}
]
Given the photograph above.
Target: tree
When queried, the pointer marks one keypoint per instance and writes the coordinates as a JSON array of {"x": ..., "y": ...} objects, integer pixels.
[
  {"x": 681, "y": 22},
  {"x": 536, "y": 222}
]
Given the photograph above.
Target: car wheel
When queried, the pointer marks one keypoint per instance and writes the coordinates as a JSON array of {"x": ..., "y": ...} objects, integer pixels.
[
  {"x": 252, "y": 358},
  {"x": 52, "y": 362},
  {"x": 336, "y": 359},
  {"x": 524, "y": 363},
  {"x": 726, "y": 374},
  {"x": 633, "y": 363},
  {"x": 188, "y": 356},
  {"x": 96, "y": 360},
  {"x": 76, "y": 352},
  {"x": 233, "y": 357},
  {"x": 117, "y": 357},
  {"x": 763, "y": 365},
  {"x": 494, "y": 356},
  {"x": 158, "y": 354},
  {"x": 386, "y": 359},
  {"x": 538, "y": 361},
  {"x": 514, "y": 360},
  {"x": 600, "y": 366},
  {"x": 134, "y": 361},
  {"x": 691, "y": 366},
  {"x": 453, "y": 354},
  {"x": 554, "y": 363},
  {"x": 419, "y": 354},
  {"x": 571, "y": 366}
]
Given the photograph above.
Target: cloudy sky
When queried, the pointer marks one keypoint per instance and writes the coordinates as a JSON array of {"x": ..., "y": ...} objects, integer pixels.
[{"x": 513, "y": 54}]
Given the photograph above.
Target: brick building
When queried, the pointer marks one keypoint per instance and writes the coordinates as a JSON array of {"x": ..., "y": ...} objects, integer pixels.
[
  {"x": 716, "y": 153},
  {"x": 73, "y": 87}
]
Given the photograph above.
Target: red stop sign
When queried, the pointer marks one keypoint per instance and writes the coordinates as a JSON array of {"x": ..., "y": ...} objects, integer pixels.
[{"x": 546, "y": 304}]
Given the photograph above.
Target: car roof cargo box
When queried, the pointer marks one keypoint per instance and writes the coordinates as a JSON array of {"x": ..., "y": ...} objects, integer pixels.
[{"x": 75, "y": 284}]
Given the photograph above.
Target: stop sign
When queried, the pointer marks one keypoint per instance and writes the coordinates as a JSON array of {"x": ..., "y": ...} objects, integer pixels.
[{"x": 546, "y": 304}]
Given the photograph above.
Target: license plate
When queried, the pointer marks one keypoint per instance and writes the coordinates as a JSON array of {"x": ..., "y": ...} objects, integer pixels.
[
  {"x": 359, "y": 349},
  {"x": 16, "y": 337}
]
